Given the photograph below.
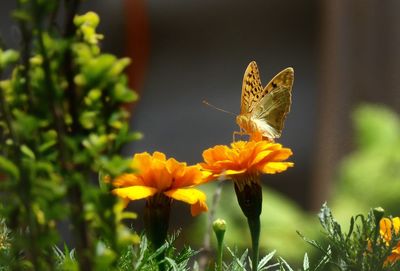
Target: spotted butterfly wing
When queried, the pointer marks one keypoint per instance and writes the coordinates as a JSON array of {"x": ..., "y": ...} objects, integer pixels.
[
  {"x": 263, "y": 110},
  {"x": 251, "y": 88}
]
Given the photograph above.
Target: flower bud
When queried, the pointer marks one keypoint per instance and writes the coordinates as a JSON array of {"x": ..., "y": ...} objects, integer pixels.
[
  {"x": 219, "y": 226},
  {"x": 378, "y": 214}
]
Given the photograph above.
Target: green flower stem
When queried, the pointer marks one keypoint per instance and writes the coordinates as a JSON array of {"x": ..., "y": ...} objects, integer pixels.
[
  {"x": 219, "y": 256},
  {"x": 156, "y": 222},
  {"x": 219, "y": 227},
  {"x": 254, "y": 226},
  {"x": 249, "y": 197}
]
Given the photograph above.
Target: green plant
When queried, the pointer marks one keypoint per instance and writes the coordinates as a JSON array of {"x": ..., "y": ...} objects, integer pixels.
[
  {"x": 363, "y": 247},
  {"x": 62, "y": 121}
]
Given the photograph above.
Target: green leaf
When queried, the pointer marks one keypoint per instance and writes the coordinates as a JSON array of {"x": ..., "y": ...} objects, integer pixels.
[
  {"x": 90, "y": 18},
  {"x": 9, "y": 167},
  {"x": 8, "y": 57},
  {"x": 47, "y": 145},
  {"x": 121, "y": 93},
  {"x": 119, "y": 66},
  {"x": 93, "y": 96},
  {"x": 88, "y": 119},
  {"x": 28, "y": 152},
  {"x": 116, "y": 165}
]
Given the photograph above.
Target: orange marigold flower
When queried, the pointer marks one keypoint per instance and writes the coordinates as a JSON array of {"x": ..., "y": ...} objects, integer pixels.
[
  {"x": 244, "y": 161},
  {"x": 156, "y": 175},
  {"x": 387, "y": 227}
]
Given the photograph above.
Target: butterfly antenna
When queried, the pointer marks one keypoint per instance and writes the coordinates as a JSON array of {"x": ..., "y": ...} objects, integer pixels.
[{"x": 219, "y": 109}]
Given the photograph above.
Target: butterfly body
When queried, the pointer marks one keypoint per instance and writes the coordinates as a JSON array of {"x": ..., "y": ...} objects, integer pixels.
[{"x": 263, "y": 110}]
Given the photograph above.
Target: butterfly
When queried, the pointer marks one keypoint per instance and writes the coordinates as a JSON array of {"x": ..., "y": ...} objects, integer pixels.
[{"x": 263, "y": 110}]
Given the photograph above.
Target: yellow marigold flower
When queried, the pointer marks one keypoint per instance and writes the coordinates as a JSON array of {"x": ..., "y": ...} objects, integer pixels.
[
  {"x": 156, "y": 175},
  {"x": 387, "y": 226},
  {"x": 244, "y": 161}
]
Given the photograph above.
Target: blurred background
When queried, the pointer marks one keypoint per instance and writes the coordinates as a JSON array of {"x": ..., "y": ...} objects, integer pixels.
[{"x": 344, "y": 53}]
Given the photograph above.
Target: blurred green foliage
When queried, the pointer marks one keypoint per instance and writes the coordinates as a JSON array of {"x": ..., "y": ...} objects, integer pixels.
[
  {"x": 280, "y": 219},
  {"x": 360, "y": 247},
  {"x": 62, "y": 124},
  {"x": 370, "y": 174}
]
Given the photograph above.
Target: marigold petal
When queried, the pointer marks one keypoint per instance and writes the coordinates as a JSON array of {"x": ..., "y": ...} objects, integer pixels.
[
  {"x": 275, "y": 167},
  {"x": 135, "y": 192},
  {"x": 160, "y": 177},
  {"x": 385, "y": 229},
  {"x": 142, "y": 160},
  {"x": 246, "y": 156},
  {"x": 174, "y": 167},
  {"x": 234, "y": 172},
  {"x": 396, "y": 224},
  {"x": 215, "y": 154},
  {"x": 208, "y": 176},
  {"x": 280, "y": 155},
  {"x": 191, "y": 196},
  {"x": 198, "y": 208},
  {"x": 142, "y": 163},
  {"x": 190, "y": 176},
  {"x": 260, "y": 156},
  {"x": 159, "y": 156},
  {"x": 128, "y": 179}
]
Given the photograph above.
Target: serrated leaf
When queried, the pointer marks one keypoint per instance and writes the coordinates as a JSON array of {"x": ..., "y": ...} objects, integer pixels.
[
  {"x": 311, "y": 242},
  {"x": 306, "y": 263},
  {"x": 172, "y": 263},
  {"x": 324, "y": 260},
  {"x": 265, "y": 260},
  {"x": 286, "y": 264}
]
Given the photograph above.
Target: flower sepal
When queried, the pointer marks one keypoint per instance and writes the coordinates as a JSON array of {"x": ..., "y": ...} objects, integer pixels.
[
  {"x": 249, "y": 197},
  {"x": 156, "y": 218}
]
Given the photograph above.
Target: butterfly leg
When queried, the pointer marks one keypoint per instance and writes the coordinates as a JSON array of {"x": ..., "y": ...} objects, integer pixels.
[
  {"x": 234, "y": 135},
  {"x": 241, "y": 133}
]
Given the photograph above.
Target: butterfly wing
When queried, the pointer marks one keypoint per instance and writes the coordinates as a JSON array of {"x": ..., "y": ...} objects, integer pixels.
[
  {"x": 270, "y": 111},
  {"x": 251, "y": 88}
]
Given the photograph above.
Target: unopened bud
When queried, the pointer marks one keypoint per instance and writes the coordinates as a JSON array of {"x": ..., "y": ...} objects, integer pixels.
[
  {"x": 378, "y": 214},
  {"x": 219, "y": 227}
]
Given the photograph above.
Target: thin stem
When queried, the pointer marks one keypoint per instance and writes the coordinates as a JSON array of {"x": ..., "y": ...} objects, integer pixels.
[
  {"x": 203, "y": 260},
  {"x": 71, "y": 10},
  {"x": 219, "y": 256},
  {"x": 24, "y": 185},
  {"x": 55, "y": 108},
  {"x": 25, "y": 55},
  {"x": 211, "y": 214},
  {"x": 254, "y": 226}
]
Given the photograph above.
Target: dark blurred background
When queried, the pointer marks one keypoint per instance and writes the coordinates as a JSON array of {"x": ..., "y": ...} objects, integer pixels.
[{"x": 183, "y": 52}]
